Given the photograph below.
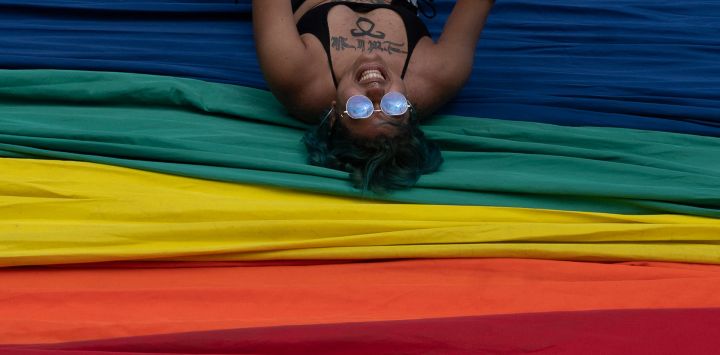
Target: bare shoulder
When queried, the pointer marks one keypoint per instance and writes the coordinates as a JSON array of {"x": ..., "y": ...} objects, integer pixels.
[
  {"x": 433, "y": 77},
  {"x": 288, "y": 61},
  {"x": 438, "y": 70},
  {"x": 309, "y": 102},
  {"x": 308, "y": 90}
]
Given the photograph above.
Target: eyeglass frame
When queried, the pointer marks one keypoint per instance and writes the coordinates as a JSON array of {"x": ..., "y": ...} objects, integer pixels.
[{"x": 407, "y": 102}]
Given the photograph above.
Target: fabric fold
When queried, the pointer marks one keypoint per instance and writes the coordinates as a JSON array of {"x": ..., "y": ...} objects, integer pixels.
[
  {"x": 52, "y": 305},
  {"x": 237, "y": 134},
  {"x": 687, "y": 331},
  {"x": 63, "y": 212},
  {"x": 625, "y": 64}
]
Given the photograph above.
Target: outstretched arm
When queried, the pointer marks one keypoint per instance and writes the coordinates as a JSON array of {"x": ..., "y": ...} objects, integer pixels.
[
  {"x": 461, "y": 34},
  {"x": 282, "y": 54},
  {"x": 449, "y": 61}
]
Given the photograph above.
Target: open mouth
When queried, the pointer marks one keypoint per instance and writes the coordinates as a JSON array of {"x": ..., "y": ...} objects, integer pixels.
[{"x": 370, "y": 74}]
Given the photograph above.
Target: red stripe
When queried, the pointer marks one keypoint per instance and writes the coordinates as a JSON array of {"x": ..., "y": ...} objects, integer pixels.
[{"x": 670, "y": 331}]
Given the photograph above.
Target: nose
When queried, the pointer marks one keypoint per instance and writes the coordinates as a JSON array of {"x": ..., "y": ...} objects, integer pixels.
[{"x": 375, "y": 94}]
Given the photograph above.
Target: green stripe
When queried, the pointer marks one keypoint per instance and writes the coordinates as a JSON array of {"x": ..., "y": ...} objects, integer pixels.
[{"x": 238, "y": 134}]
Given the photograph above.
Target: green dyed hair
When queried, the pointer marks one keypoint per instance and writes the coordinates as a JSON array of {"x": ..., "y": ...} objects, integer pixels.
[{"x": 379, "y": 164}]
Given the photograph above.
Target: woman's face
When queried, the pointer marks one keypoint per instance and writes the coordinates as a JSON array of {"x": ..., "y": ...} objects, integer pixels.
[{"x": 369, "y": 76}]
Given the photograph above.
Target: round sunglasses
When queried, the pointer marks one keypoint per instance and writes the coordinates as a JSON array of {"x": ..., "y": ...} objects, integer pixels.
[{"x": 360, "y": 107}]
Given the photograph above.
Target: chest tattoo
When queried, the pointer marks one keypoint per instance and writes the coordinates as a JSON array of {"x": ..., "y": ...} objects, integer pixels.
[{"x": 366, "y": 39}]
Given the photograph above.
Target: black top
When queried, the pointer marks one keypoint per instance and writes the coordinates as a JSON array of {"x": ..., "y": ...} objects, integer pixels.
[{"x": 315, "y": 22}]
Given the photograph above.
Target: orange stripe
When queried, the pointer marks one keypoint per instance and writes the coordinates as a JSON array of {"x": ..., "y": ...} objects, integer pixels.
[{"x": 51, "y": 305}]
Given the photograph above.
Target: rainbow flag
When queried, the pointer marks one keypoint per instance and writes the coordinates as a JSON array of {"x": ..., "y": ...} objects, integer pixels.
[{"x": 155, "y": 197}]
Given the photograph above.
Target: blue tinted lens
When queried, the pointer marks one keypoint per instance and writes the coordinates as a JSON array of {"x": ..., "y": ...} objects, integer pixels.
[
  {"x": 394, "y": 104},
  {"x": 359, "y": 106}
]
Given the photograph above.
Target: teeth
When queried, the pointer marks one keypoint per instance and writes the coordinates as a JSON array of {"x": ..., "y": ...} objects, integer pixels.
[{"x": 371, "y": 75}]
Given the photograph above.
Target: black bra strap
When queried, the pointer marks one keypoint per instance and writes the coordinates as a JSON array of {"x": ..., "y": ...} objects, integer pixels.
[
  {"x": 316, "y": 22},
  {"x": 296, "y": 5}
]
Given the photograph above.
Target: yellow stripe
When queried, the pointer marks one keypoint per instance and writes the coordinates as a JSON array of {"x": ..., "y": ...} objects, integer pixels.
[{"x": 70, "y": 212}]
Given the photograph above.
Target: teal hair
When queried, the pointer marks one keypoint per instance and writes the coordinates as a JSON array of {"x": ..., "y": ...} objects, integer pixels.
[{"x": 379, "y": 164}]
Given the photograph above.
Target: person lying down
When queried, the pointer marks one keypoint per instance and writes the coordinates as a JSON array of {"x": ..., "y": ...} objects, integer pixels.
[{"x": 365, "y": 73}]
